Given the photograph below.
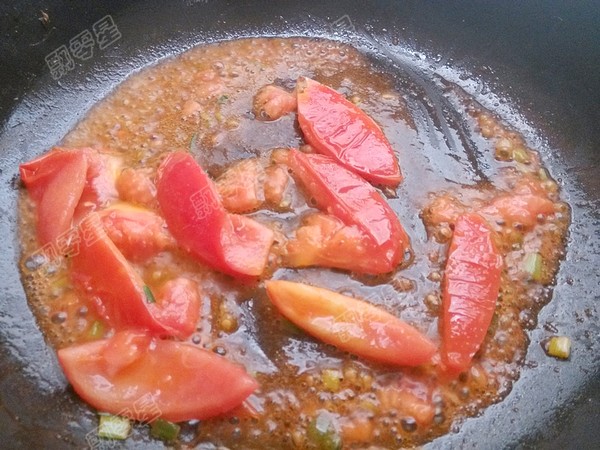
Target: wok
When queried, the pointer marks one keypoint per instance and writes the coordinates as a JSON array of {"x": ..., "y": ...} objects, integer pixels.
[{"x": 536, "y": 63}]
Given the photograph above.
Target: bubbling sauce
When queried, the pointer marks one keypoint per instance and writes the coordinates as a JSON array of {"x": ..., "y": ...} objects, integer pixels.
[{"x": 201, "y": 101}]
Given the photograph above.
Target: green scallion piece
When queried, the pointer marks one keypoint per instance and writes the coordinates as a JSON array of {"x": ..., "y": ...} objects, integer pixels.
[
  {"x": 192, "y": 145},
  {"x": 96, "y": 330},
  {"x": 149, "y": 295},
  {"x": 164, "y": 430},
  {"x": 331, "y": 379},
  {"x": 521, "y": 155},
  {"x": 113, "y": 427},
  {"x": 559, "y": 347},
  {"x": 323, "y": 434},
  {"x": 533, "y": 265}
]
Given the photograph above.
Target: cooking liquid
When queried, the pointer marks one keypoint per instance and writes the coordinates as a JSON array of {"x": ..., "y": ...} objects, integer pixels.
[{"x": 147, "y": 115}]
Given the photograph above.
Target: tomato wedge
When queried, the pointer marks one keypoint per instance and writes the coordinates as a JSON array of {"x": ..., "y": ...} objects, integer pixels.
[
  {"x": 66, "y": 185},
  {"x": 176, "y": 306},
  {"x": 101, "y": 273},
  {"x": 55, "y": 182},
  {"x": 354, "y": 201},
  {"x": 323, "y": 240},
  {"x": 232, "y": 244},
  {"x": 338, "y": 128},
  {"x": 145, "y": 378},
  {"x": 470, "y": 288},
  {"x": 350, "y": 324}
]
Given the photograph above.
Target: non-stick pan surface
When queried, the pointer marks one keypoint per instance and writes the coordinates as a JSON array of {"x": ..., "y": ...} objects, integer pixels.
[{"x": 536, "y": 63}]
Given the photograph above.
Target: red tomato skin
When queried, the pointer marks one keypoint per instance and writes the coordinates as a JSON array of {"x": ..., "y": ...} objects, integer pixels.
[
  {"x": 236, "y": 245},
  {"x": 338, "y": 128},
  {"x": 36, "y": 172},
  {"x": 350, "y": 324},
  {"x": 146, "y": 378},
  {"x": 101, "y": 273},
  {"x": 470, "y": 288},
  {"x": 55, "y": 182},
  {"x": 347, "y": 196}
]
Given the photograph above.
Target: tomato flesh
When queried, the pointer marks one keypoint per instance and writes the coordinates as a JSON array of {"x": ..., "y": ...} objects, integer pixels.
[
  {"x": 177, "y": 306},
  {"x": 323, "y": 240},
  {"x": 145, "y": 378},
  {"x": 354, "y": 201},
  {"x": 99, "y": 190},
  {"x": 240, "y": 186},
  {"x": 338, "y": 128},
  {"x": 137, "y": 232},
  {"x": 470, "y": 288},
  {"x": 136, "y": 186},
  {"x": 350, "y": 324},
  {"x": 232, "y": 244},
  {"x": 272, "y": 102},
  {"x": 410, "y": 399},
  {"x": 522, "y": 209}
]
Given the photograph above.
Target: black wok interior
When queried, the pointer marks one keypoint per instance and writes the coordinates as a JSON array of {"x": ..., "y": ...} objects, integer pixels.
[{"x": 541, "y": 58}]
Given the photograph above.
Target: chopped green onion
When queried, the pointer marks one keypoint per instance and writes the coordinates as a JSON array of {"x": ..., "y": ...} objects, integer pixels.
[
  {"x": 96, "y": 330},
  {"x": 164, "y": 430},
  {"x": 149, "y": 295},
  {"x": 113, "y": 427},
  {"x": 521, "y": 155},
  {"x": 322, "y": 432},
  {"x": 223, "y": 99},
  {"x": 533, "y": 265},
  {"x": 559, "y": 347},
  {"x": 331, "y": 379},
  {"x": 192, "y": 145}
]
